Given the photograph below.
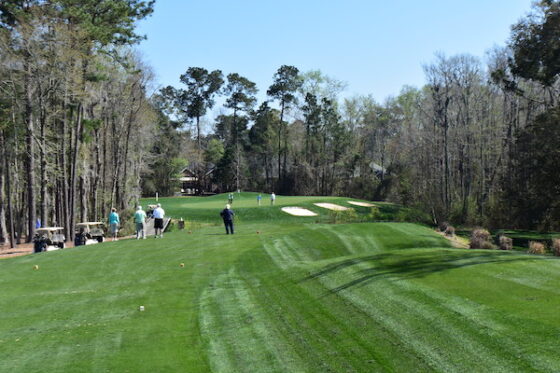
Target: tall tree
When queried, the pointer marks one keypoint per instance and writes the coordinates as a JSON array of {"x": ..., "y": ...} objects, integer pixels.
[
  {"x": 284, "y": 87},
  {"x": 198, "y": 98},
  {"x": 241, "y": 99}
]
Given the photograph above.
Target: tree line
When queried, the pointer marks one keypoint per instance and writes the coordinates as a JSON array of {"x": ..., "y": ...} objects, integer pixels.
[
  {"x": 80, "y": 131},
  {"x": 477, "y": 144},
  {"x": 74, "y": 111}
]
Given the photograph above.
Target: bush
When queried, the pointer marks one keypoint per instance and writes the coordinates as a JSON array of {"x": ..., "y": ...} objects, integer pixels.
[
  {"x": 343, "y": 216},
  {"x": 449, "y": 231},
  {"x": 127, "y": 226},
  {"x": 374, "y": 214},
  {"x": 506, "y": 243},
  {"x": 536, "y": 247},
  {"x": 413, "y": 215},
  {"x": 443, "y": 226},
  {"x": 481, "y": 239},
  {"x": 556, "y": 246}
]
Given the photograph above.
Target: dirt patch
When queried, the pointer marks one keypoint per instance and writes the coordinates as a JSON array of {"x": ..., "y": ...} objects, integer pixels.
[
  {"x": 298, "y": 211},
  {"x": 21, "y": 249},
  {"x": 456, "y": 241},
  {"x": 363, "y": 204},
  {"x": 331, "y": 206}
]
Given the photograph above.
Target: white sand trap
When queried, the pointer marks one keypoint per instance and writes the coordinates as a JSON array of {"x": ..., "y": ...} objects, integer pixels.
[
  {"x": 298, "y": 211},
  {"x": 363, "y": 204},
  {"x": 331, "y": 206}
]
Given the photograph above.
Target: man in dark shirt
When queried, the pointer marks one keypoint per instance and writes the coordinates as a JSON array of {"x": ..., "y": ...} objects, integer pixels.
[{"x": 227, "y": 215}]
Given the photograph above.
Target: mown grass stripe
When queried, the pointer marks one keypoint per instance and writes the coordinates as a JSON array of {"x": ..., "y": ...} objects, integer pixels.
[{"x": 242, "y": 339}]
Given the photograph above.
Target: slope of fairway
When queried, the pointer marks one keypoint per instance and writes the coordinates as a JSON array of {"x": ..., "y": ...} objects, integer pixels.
[{"x": 299, "y": 296}]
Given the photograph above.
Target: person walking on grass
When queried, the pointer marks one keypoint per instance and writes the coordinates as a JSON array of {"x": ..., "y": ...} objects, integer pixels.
[
  {"x": 227, "y": 214},
  {"x": 159, "y": 213},
  {"x": 272, "y": 198},
  {"x": 140, "y": 219},
  {"x": 230, "y": 199},
  {"x": 259, "y": 198},
  {"x": 114, "y": 222}
]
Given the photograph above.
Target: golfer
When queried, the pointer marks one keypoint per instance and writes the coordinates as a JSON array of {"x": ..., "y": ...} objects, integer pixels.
[
  {"x": 140, "y": 219},
  {"x": 227, "y": 214},
  {"x": 259, "y": 198},
  {"x": 230, "y": 199},
  {"x": 272, "y": 198},
  {"x": 114, "y": 222},
  {"x": 159, "y": 213}
]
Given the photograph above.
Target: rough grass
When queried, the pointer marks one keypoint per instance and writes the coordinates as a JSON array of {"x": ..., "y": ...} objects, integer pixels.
[{"x": 297, "y": 297}]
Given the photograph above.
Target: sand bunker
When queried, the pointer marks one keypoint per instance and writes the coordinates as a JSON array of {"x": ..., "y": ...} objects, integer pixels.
[
  {"x": 298, "y": 211},
  {"x": 363, "y": 204},
  {"x": 331, "y": 206}
]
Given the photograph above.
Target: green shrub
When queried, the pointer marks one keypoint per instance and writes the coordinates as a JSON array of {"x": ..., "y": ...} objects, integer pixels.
[
  {"x": 374, "y": 214},
  {"x": 343, "y": 216},
  {"x": 127, "y": 226},
  {"x": 411, "y": 215}
]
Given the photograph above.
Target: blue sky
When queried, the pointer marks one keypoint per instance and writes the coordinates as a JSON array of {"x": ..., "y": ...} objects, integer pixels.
[{"x": 375, "y": 46}]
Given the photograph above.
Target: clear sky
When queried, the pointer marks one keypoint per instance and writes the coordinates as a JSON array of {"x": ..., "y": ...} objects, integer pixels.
[{"x": 375, "y": 46}]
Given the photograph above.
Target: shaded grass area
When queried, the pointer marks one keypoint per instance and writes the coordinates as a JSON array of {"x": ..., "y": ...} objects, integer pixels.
[{"x": 299, "y": 296}]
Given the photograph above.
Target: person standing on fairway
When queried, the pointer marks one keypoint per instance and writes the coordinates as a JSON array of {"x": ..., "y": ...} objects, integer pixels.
[
  {"x": 230, "y": 199},
  {"x": 259, "y": 198},
  {"x": 159, "y": 213},
  {"x": 272, "y": 198},
  {"x": 140, "y": 219},
  {"x": 227, "y": 214},
  {"x": 114, "y": 222}
]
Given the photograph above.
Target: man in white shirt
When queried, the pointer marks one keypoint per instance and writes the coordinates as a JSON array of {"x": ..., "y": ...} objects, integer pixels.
[{"x": 159, "y": 213}]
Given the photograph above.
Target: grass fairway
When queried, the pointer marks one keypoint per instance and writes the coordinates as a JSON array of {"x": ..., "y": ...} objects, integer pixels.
[{"x": 300, "y": 296}]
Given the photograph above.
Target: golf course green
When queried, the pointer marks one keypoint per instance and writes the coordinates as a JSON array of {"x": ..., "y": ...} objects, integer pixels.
[{"x": 284, "y": 294}]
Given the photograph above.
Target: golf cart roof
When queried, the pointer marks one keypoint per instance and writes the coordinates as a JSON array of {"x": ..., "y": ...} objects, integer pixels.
[
  {"x": 90, "y": 223},
  {"x": 48, "y": 229}
]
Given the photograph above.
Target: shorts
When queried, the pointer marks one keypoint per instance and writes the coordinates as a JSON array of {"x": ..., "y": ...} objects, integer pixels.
[
  {"x": 158, "y": 223},
  {"x": 114, "y": 228}
]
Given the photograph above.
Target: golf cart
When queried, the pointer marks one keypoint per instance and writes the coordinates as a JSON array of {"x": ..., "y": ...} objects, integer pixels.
[
  {"x": 89, "y": 233},
  {"x": 150, "y": 211},
  {"x": 48, "y": 239}
]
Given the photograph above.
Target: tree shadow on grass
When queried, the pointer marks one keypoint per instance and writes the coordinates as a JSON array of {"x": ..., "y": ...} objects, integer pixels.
[{"x": 402, "y": 266}]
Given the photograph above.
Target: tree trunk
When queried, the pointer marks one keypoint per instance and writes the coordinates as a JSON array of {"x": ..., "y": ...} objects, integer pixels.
[
  {"x": 30, "y": 148},
  {"x": 8, "y": 180}
]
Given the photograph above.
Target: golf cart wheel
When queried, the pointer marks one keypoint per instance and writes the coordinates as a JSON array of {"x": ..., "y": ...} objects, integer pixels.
[
  {"x": 60, "y": 245},
  {"x": 100, "y": 239}
]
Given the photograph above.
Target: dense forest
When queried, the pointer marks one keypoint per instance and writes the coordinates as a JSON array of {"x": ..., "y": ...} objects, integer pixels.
[{"x": 82, "y": 130}]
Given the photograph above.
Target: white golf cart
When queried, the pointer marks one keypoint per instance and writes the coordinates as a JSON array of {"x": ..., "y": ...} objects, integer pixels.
[
  {"x": 89, "y": 233},
  {"x": 48, "y": 239}
]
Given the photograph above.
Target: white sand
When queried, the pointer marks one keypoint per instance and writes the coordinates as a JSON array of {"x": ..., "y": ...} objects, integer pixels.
[
  {"x": 331, "y": 206},
  {"x": 298, "y": 211},
  {"x": 364, "y": 204}
]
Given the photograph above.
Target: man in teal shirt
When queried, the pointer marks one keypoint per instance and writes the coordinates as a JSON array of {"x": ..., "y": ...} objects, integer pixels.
[
  {"x": 114, "y": 222},
  {"x": 140, "y": 219}
]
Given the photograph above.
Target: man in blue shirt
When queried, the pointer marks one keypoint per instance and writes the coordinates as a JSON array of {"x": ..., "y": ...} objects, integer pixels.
[{"x": 227, "y": 214}]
